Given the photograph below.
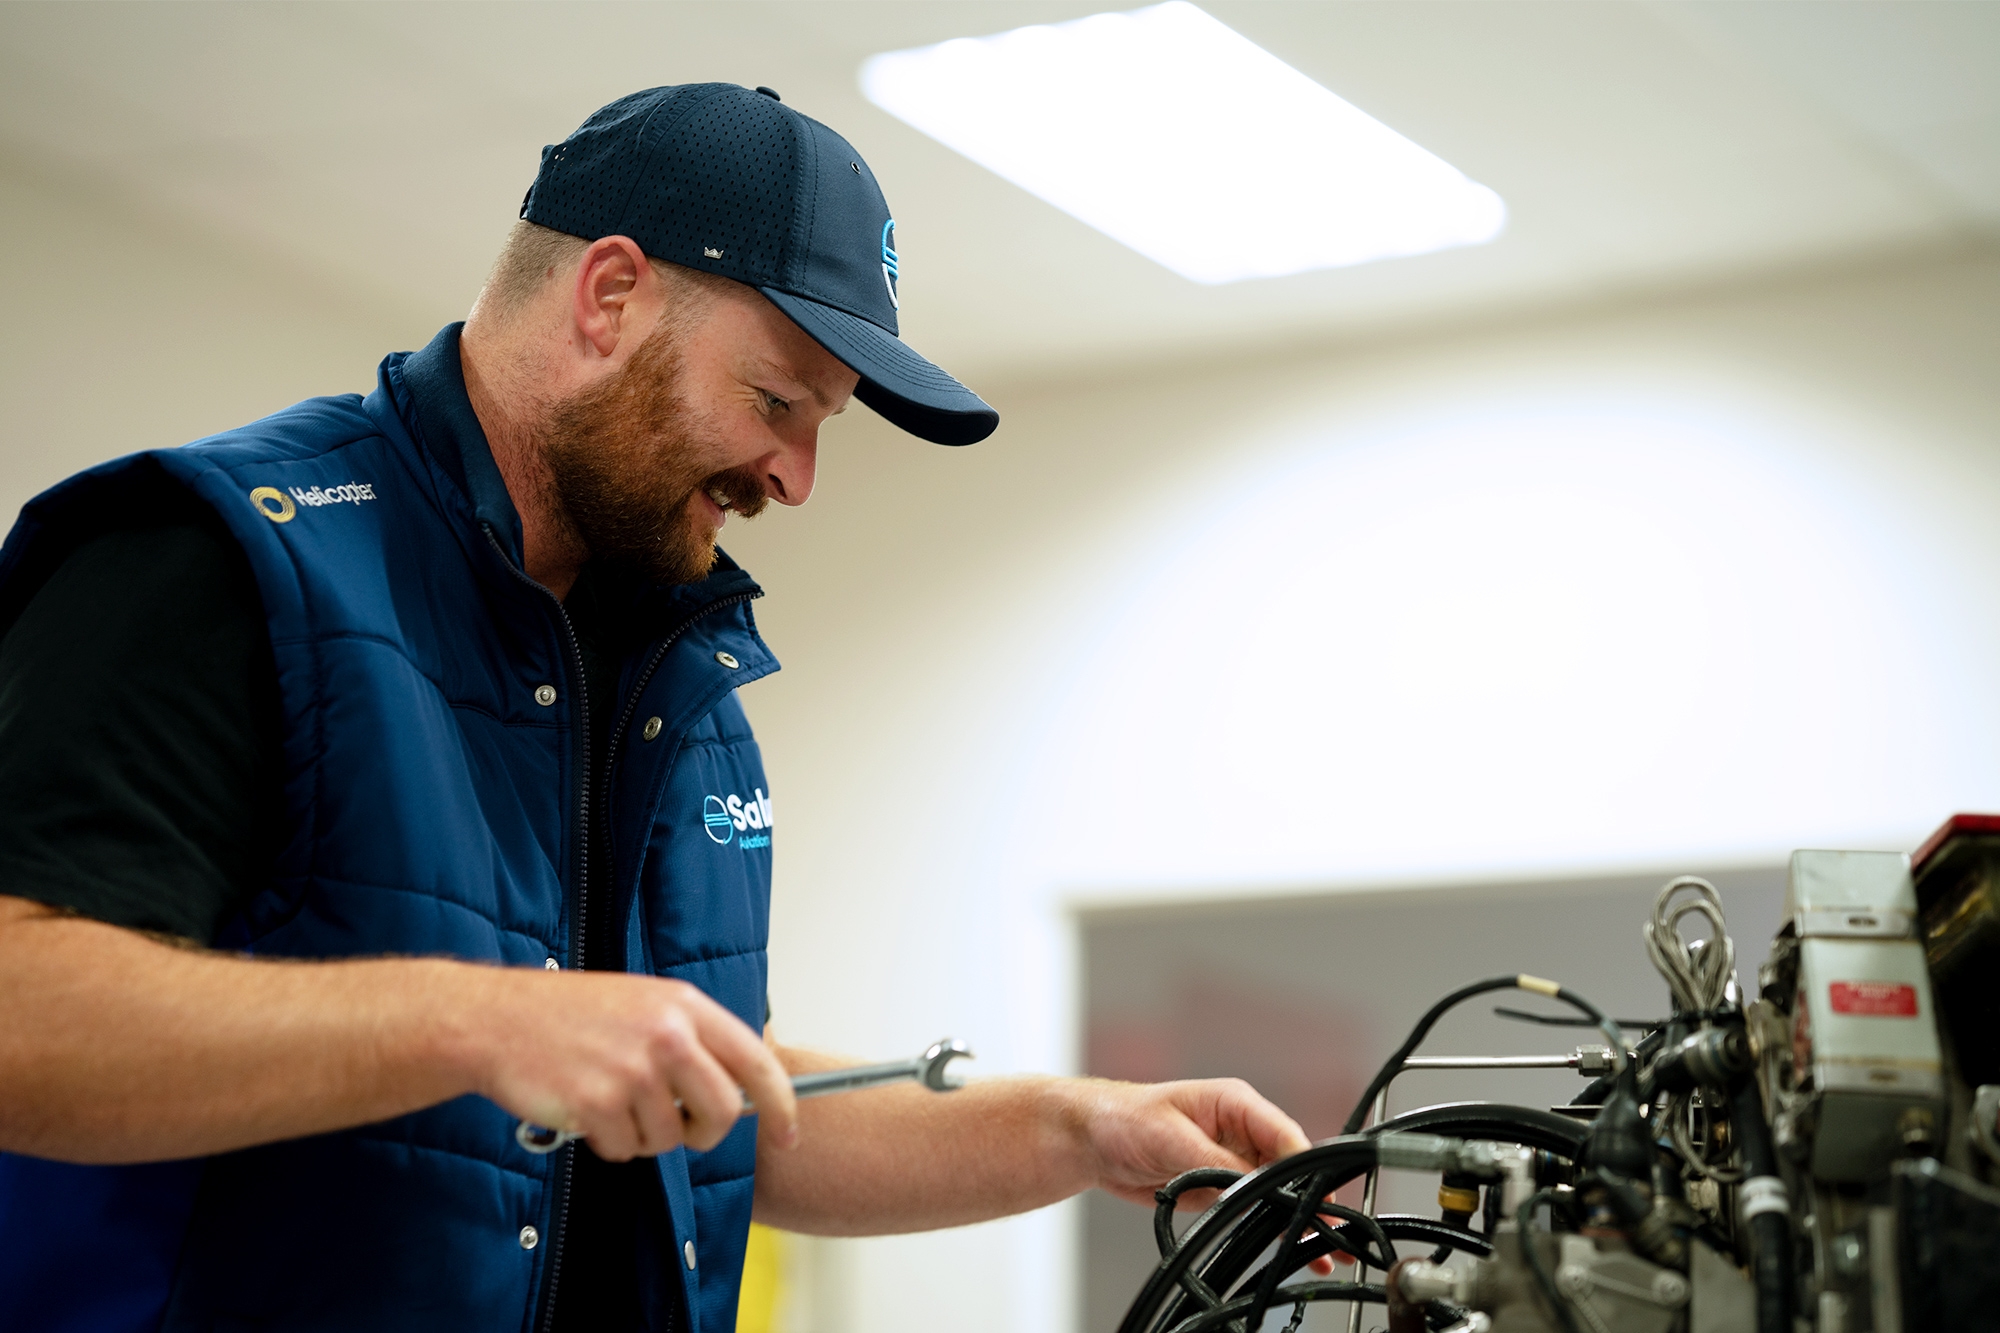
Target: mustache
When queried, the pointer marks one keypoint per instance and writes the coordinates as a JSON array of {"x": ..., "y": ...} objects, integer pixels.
[{"x": 743, "y": 487}]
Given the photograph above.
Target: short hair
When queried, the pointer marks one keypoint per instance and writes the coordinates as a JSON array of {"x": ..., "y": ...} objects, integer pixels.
[{"x": 533, "y": 255}]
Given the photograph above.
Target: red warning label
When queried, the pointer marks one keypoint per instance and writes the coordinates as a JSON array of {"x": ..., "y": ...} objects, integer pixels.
[{"x": 1878, "y": 999}]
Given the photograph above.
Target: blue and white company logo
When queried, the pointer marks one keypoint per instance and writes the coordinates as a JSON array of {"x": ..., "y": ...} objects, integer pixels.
[
  {"x": 889, "y": 272},
  {"x": 725, "y": 818}
]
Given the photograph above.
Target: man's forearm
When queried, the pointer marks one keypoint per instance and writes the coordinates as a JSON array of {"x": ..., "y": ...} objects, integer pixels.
[
  {"x": 115, "y": 1047},
  {"x": 907, "y": 1159}
]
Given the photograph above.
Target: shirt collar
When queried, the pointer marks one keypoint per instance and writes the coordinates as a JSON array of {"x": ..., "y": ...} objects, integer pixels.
[{"x": 447, "y": 426}]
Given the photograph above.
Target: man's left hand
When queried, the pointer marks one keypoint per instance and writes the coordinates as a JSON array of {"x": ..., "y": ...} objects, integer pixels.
[{"x": 1144, "y": 1134}]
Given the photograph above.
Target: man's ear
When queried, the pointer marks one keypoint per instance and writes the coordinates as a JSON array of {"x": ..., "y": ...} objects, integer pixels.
[{"x": 601, "y": 304}]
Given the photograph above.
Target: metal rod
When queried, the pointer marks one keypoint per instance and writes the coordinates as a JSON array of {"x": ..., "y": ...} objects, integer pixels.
[
  {"x": 1490, "y": 1062},
  {"x": 1367, "y": 1206}
]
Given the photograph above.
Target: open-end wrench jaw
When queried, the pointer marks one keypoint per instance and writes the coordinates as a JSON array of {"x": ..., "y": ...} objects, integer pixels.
[{"x": 936, "y": 1061}]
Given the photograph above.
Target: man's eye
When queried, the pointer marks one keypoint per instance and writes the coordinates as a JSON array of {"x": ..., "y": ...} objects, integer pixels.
[{"x": 773, "y": 403}]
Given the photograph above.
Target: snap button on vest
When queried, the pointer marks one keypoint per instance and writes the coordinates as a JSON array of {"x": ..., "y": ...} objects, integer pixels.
[
  {"x": 687, "y": 1253},
  {"x": 651, "y": 731},
  {"x": 545, "y": 695},
  {"x": 552, "y": 965},
  {"x": 728, "y": 660},
  {"x": 530, "y": 1238}
]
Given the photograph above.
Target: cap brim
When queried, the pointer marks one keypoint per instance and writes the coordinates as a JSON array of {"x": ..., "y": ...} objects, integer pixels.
[{"x": 901, "y": 386}]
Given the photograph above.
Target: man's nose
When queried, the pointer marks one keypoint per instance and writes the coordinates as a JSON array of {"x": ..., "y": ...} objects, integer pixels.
[{"x": 788, "y": 478}]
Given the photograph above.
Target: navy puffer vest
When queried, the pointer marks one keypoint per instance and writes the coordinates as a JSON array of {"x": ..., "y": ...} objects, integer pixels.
[{"x": 436, "y": 798}]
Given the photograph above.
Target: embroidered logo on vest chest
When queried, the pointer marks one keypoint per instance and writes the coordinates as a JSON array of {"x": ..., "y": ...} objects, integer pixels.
[
  {"x": 727, "y": 817},
  {"x": 279, "y": 507}
]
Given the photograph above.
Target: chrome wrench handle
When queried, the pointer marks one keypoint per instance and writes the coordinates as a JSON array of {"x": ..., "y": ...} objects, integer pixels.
[{"x": 932, "y": 1068}]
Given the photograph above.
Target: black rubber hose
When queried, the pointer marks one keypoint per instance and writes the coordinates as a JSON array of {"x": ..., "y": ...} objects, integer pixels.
[
  {"x": 1253, "y": 1237},
  {"x": 1410, "y": 1226},
  {"x": 1167, "y": 1198},
  {"x": 1230, "y": 1239},
  {"x": 1265, "y": 1284},
  {"x": 1318, "y": 1238},
  {"x": 1534, "y": 985},
  {"x": 1770, "y": 1233},
  {"x": 1529, "y": 1126},
  {"x": 1367, "y": 1227},
  {"x": 1240, "y": 1226},
  {"x": 1237, "y": 1252},
  {"x": 1248, "y": 1241},
  {"x": 1304, "y": 1291},
  {"x": 1354, "y": 1244}
]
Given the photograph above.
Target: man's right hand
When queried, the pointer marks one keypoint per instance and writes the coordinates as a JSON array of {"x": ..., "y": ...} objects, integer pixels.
[
  {"x": 116, "y": 1047},
  {"x": 637, "y": 1064}
]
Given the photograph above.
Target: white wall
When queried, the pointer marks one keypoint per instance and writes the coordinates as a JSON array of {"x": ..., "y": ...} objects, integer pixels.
[
  {"x": 1695, "y": 580},
  {"x": 128, "y": 331},
  {"x": 1692, "y": 579}
]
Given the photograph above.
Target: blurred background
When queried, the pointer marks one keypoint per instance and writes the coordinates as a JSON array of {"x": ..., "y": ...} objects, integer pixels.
[{"x": 1300, "y": 647}]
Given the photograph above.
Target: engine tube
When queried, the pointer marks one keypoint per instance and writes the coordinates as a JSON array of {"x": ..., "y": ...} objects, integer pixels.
[{"x": 1766, "y": 1211}]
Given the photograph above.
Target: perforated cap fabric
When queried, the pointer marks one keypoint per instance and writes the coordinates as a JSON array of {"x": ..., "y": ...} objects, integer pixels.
[{"x": 731, "y": 181}]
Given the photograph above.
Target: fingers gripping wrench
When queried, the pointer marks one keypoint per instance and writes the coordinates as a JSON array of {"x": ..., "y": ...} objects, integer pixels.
[{"x": 932, "y": 1069}]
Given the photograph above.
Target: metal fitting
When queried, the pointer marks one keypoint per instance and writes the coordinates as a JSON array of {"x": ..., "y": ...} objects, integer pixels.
[
  {"x": 1592, "y": 1059},
  {"x": 1985, "y": 1129},
  {"x": 1417, "y": 1152},
  {"x": 1458, "y": 1200},
  {"x": 1420, "y": 1280},
  {"x": 1763, "y": 1194},
  {"x": 1916, "y": 1127}
]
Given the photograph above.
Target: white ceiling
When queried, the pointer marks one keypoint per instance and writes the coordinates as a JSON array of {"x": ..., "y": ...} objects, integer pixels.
[{"x": 386, "y": 147}]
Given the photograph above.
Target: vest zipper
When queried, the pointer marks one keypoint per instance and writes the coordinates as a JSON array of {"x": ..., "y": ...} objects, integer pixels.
[
  {"x": 559, "y": 1215},
  {"x": 652, "y": 665},
  {"x": 578, "y": 951},
  {"x": 611, "y": 740}
]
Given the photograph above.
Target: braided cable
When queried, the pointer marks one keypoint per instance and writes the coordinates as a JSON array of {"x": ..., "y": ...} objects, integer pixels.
[{"x": 1698, "y": 978}]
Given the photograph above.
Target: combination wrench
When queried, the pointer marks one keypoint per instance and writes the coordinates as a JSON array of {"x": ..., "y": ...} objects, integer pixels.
[{"x": 932, "y": 1069}]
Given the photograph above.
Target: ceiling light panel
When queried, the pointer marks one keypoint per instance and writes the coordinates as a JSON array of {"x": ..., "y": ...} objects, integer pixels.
[{"x": 1176, "y": 135}]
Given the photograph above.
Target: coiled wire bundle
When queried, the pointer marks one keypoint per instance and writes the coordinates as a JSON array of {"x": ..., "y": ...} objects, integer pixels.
[{"x": 1700, "y": 979}]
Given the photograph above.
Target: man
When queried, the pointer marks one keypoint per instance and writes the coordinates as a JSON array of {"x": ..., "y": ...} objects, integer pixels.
[{"x": 408, "y": 713}]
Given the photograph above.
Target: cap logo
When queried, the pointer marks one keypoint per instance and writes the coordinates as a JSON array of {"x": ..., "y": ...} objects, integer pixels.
[
  {"x": 711, "y": 253},
  {"x": 889, "y": 262}
]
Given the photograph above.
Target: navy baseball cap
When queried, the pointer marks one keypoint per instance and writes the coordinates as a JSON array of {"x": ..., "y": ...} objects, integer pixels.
[{"x": 730, "y": 181}]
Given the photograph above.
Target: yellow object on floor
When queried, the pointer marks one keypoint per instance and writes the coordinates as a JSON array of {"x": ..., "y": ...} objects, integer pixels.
[{"x": 763, "y": 1280}]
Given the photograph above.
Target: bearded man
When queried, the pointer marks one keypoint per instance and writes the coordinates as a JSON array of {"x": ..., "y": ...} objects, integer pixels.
[{"x": 355, "y": 782}]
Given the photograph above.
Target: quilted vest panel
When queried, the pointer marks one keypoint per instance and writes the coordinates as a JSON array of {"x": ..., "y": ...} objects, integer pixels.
[{"x": 434, "y": 806}]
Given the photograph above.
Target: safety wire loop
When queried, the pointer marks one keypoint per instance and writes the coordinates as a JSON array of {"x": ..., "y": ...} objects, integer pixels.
[{"x": 1698, "y": 977}]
